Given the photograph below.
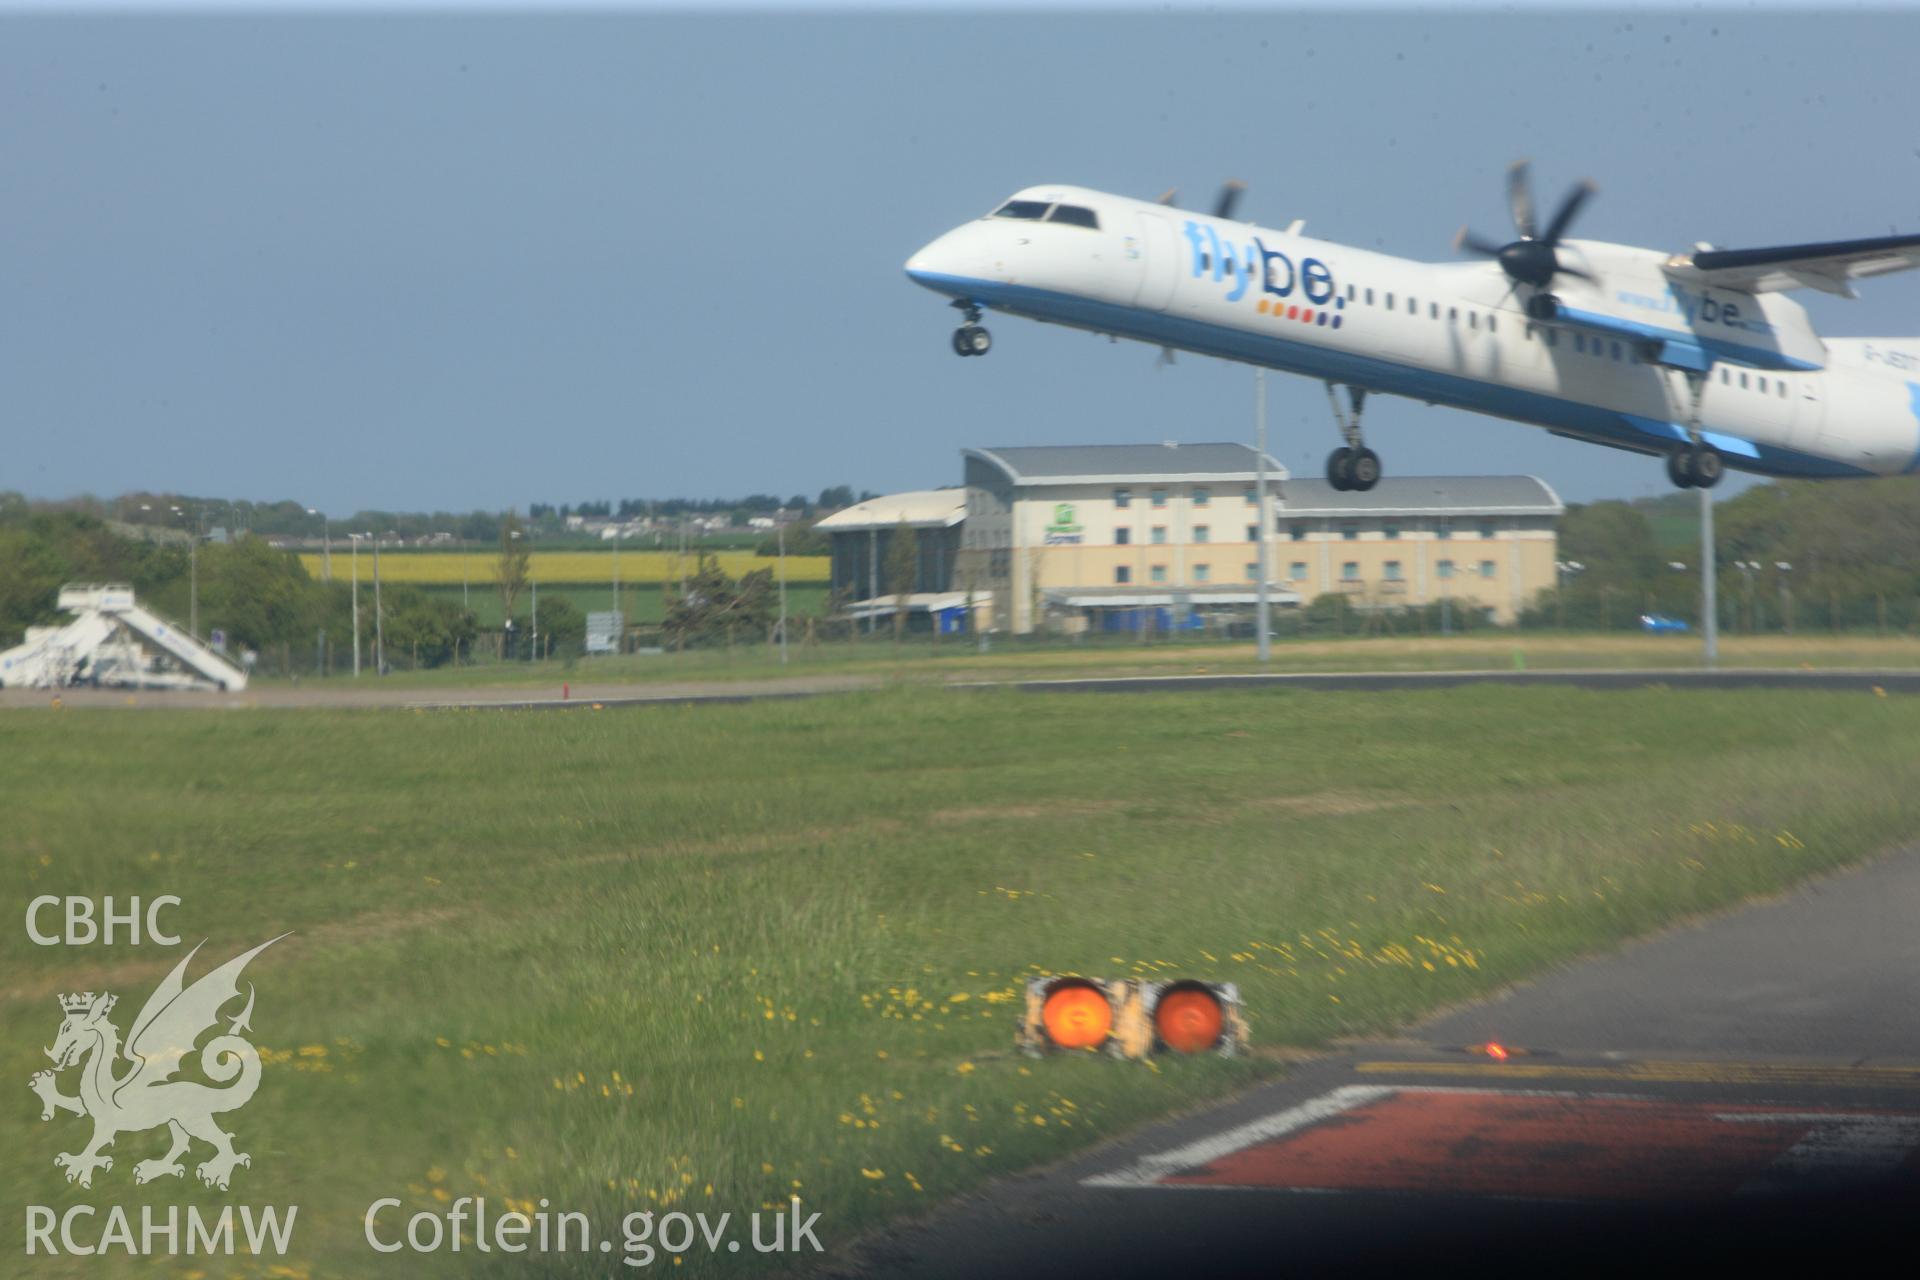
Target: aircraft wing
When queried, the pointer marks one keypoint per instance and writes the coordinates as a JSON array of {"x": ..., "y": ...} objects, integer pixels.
[{"x": 1831, "y": 266}]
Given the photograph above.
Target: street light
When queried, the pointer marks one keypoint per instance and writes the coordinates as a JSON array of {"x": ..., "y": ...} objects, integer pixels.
[
  {"x": 355, "y": 538},
  {"x": 326, "y": 546}
]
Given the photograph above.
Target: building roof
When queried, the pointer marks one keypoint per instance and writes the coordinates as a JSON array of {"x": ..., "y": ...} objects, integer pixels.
[
  {"x": 1424, "y": 496},
  {"x": 1171, "y": 462},
  {"x": 921, "y": 509}
]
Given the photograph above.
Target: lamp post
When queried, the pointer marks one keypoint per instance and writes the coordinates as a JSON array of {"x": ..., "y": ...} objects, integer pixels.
[
  {"x": 1709, "y": 601},
  {"x": 379, "y": 619},
  {"x": 1263, "y": 603},
  {"x": 1747, "y": 569},
  {"x": 780, "y": 536},
  {"x": 1564, "y": 570},
  {"x": 193, "y": 571},
  {"x": 355, "y": 539},
  {"x": 326, "y": 546}
]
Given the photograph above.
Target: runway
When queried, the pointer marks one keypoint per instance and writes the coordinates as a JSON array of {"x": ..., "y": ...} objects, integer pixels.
[{"x": 1744, "y": 1092}]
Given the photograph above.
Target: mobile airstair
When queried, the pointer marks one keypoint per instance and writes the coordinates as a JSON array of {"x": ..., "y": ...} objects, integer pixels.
[{"x": 113, "y": 641}]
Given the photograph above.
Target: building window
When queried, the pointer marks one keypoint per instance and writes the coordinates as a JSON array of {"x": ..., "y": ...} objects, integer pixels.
[
  {"x": 1486, "y": 568},
  {"x": 1393, "y": 529},
  {"x": 1123, "y": 497},
  {"x": 1350, "y": 571},
  {"x": 1298, "y": 571},
  {"x": 1201, "y": 573},
  {"x": 1201, "y": 497},
  {"x": 1121, "y": 537},
  {"x": 1158, "y": 573},
  {"x": 1159, "y": 497},
  {"x": 1393, "y": 571},
  {"x": 1443, "y": 528},
  {"x": 1201, "y": 533},
  {"x": 1253, "y": 533},
  {"x": 1253, "y": 571},
  {"x": 1159, "y": 534},
  {"x": 1252, "y": 495},
  {"x": 1486, "y": 528},
  {"x": 1123, "y": 574},
  {"x": 1444, "y": 568},
  {"x": 1297, "y": 531},
  {"x": 1350, "y": 531}
]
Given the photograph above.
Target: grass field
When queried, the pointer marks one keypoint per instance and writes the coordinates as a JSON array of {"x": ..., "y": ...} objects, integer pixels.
[
  {"x": 707, "y": 957},
  {"x": 959, "y": 659},
  {"x": 478, "y": 568}
]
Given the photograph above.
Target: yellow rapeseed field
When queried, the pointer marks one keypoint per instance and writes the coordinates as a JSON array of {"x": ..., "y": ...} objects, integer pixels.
[{"x": 451, "y": 569}]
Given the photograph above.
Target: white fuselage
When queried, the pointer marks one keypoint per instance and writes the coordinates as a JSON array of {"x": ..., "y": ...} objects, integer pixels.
[{"x": 1617, "y": 367}]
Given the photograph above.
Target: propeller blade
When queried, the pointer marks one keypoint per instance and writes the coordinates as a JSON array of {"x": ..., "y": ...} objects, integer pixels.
[
  {"x": 1229, "y": 196},
  {"x": 1577, "y": 274},
  {"x": 1520, "y": 198},
  {"x": 1581, "y": 192},
  {"x": 1467, "y": 240},
  {"x": 1168, "y": 196}
]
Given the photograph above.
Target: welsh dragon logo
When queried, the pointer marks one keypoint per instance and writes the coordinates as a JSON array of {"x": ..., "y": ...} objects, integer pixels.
[{"x": 144, "y": 1095}]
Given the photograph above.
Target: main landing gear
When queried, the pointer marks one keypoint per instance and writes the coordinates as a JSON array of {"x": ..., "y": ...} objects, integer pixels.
[
  {"x": 970, "y": 339},
  {"x": 1695, "y": 466},
  {"x": 1353, "y": 466}
]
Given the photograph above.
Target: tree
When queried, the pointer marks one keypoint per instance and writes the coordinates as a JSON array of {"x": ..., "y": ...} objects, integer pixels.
[
  {"x": 835, "y": 497},
  {"x": 714, "y": 608},
  {"x": 902, "y": 567},
  {"x": 514, "y": 568}
]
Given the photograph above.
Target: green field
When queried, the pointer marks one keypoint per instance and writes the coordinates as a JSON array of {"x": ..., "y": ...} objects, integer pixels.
[
  {"x": 959, "y": 658},
  {"x": 707, "y": 957}
]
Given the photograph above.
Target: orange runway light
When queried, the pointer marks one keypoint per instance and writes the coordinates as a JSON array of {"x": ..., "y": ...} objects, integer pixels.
[
  {"x": 1497, "y": 1051},
  {"x": 1077, "y": 1015},
  {"x": 1189, "y": 1020}
]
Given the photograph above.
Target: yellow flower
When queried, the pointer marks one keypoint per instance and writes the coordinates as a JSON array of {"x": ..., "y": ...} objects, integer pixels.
[
  {"x": 875, "y": 1174},
  {"x": 965, "y": 1068}
]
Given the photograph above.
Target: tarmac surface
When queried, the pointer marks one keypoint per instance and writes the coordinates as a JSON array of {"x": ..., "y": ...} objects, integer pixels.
[{"x": 1742, "y": 1093}]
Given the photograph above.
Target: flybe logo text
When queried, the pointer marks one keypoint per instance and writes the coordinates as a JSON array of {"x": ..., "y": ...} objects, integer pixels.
[{"x": 1226, "y": 262}]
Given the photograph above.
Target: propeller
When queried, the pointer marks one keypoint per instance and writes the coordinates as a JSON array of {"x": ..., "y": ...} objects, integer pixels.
[
  {"x": 1230, "y": 191},
  {"x": 1533, "y": 258},
  {"x": 1223, "y": 204}
]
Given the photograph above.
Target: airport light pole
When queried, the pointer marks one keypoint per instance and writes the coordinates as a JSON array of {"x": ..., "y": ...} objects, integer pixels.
[
  {"x": 1709, "y": 602},
  {"x": 379, "y": 619},
  {"x": 1786, "y": 596},
  {"x": 354, "y": 538},
  {"x": 780, "y": 536},
  {"x": 326, "y": 546},
  {"x": 1263, "y": 603},
  {"x": 193, "y": 573}
]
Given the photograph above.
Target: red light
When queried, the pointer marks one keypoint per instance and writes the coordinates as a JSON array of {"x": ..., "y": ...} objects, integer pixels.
[
  {"x": 1497, "y": 1052},
  {"x": 1189, "y": 1019}
]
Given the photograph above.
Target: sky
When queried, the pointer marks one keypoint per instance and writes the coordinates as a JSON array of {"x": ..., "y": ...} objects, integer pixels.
[{"x": 478, "y": 258}]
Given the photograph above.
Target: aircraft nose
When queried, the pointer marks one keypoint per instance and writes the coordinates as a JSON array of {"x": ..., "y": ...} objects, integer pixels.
[{"x": 940, "y": 263}]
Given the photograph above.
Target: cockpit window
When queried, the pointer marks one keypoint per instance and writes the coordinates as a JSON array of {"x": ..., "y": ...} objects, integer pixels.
[
  {"x": 1030, "y": 210},
  {"x": 1074, "y": 214}
]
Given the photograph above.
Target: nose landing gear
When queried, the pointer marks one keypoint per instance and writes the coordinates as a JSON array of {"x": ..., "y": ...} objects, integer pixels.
[
  {"x": 971, "y": 339},
  {"x": 1353, "y": 466}
]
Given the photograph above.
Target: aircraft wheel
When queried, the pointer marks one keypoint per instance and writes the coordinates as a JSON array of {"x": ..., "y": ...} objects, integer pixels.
[
  {"x": 1680, "y": 468},
  {"x": 1340, "y": 469},
  {"x": 1705, "y": 466},
  {"x": 972, "y": 340},
  {"x": 960, "y": 344},
  {"x": 1363, "y": 471}
]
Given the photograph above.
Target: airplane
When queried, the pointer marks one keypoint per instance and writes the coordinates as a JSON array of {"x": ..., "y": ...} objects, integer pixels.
[{"x": 1695, "y": 356}]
